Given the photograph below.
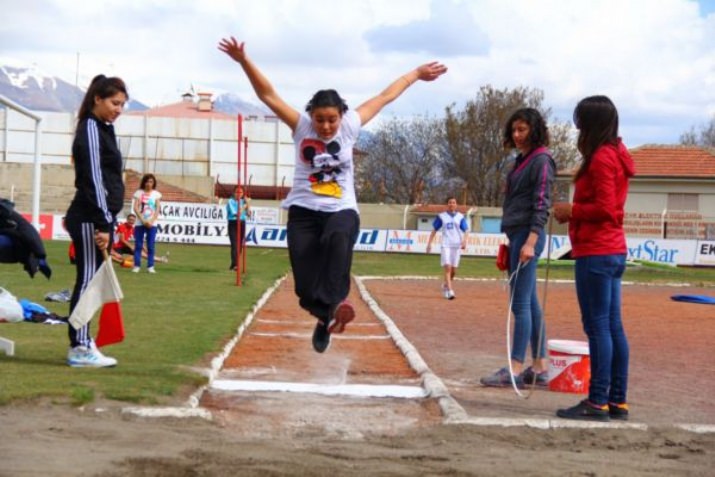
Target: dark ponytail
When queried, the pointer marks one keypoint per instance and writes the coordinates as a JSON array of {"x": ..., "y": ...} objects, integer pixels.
[{"x": 104, "y": 88}]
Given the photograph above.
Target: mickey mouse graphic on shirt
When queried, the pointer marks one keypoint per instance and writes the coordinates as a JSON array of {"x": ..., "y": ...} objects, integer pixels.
[{"x": 325, "y": 158}]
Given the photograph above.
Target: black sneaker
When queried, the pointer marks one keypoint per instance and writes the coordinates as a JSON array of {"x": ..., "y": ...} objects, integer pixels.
[
  {"x": 585, "y": 411},
  {"x": 618, "y": 411},
  {"x": 321, "y": 337},
  {"x": 502, "y": 379},
  {"x": 528, "y": 376}
]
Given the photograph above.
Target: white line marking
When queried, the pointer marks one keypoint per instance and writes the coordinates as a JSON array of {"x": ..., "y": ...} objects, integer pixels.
[
  {"x": 310, "y": 335},
  {"x": 357, "y": 390},
  {"x": 168, "y": 412},
  {"x": 697, "y": 428},
  {"x": 217, "y": 362},
  {"x": 433, "y": 385},
  {"x": 306, "y": 323}
]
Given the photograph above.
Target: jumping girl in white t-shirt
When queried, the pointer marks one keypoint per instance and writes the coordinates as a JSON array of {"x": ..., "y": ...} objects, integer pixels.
[{"x": 323, "y": 222}]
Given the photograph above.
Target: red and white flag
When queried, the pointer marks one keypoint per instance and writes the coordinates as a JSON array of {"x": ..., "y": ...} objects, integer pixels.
[{"x": 102, "y": 289}]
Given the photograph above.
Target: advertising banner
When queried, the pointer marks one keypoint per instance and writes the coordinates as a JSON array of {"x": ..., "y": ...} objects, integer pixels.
[{"x": 705, "y": 253}]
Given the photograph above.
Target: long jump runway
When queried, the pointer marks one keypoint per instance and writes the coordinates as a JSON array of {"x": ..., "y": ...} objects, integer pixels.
[{"x": 412, "y": 358}]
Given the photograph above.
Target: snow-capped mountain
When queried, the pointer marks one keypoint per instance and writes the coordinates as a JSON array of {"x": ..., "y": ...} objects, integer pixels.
[
  {"x": 230, "y": 103},
  {"x": 35, "y": 90}
]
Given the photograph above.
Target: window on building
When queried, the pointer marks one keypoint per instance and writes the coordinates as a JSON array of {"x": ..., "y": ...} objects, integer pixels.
[{"x": 683, "y": 202}]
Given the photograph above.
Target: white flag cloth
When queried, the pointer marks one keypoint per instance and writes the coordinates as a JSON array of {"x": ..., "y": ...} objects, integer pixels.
[{"x": 103, "y": 288}]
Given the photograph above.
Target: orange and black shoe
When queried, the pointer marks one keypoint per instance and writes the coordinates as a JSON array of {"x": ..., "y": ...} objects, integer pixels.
[
  {"x": 586, "y": 411},
  {"x": 342, "y": 314},
  {"x": 618, "y": 411}
]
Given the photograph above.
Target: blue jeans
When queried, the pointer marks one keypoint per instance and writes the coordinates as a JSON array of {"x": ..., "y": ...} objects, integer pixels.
[
  {"x": 598, "y": 287},
  {"x": 528, "y": 318},
  {"x": 139, "y": 232}
]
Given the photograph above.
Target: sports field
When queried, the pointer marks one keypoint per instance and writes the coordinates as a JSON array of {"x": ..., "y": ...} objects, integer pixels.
[{"x": 397, "y": 394}]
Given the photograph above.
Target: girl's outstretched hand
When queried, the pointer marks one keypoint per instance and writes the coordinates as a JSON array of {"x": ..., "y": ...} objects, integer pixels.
[
  {"x": 431, "y": 71},
  {"x": 233, "y": 48}
]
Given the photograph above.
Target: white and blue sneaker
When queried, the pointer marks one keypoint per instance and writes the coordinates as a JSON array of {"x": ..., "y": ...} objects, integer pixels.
[{"x": 88, "y": 357}]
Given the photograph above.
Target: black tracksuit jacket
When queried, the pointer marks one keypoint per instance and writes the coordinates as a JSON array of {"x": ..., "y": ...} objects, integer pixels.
[{"x": 98, "y": 175}]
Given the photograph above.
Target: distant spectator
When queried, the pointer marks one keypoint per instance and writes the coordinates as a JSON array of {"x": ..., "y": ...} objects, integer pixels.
[
  {"x": 237, "y": 210},
  {"x": 455, "y": 231},
  {"x": 146, "y": 204}
]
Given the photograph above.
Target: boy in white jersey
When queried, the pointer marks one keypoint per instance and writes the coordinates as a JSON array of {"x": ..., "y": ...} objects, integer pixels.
[
  {"x": 323, "y": 221},
  {"x": 454, "y": 239}
]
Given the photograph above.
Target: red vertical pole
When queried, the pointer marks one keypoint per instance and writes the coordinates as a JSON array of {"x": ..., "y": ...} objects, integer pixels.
[
  {"x": 245, "y": 193},
  {"x": 238, "y": 219}
]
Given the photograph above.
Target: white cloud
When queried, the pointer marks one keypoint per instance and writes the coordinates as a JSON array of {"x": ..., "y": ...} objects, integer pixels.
[{"x": 656, "y": 62}]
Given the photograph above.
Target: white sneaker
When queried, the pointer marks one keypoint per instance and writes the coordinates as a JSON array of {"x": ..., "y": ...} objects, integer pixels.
[
  {"x": 450, "y": 294},
  {"x": 445, "y": 290},
  {"x": 135, "y": 270},
  {"x": 151, "y": 270},
  {"x": 84, "y": 357}
]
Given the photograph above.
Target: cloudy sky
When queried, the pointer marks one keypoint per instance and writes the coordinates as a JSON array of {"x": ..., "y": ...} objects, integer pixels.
[{"x": 656, "y": 60}]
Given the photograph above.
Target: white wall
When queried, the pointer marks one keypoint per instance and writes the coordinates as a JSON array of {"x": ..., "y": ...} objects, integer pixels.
[{"x": 167, "y": 146}]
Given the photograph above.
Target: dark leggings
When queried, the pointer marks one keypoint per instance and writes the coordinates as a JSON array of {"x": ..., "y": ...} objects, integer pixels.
[
  {"x": 236, "y": 247},
  {"x": 320, "y": 245}
]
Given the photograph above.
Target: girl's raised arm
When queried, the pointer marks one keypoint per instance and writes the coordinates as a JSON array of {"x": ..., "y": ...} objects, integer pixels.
[
  {"x": 427, "y": 72},
  {"x": 263, "y": 88}
]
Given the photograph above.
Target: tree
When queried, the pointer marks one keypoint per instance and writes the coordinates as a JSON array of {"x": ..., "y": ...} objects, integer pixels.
[
  {"x": 474, "y": 141},
  {"x": 705, "y": 137},
  {"x": 402, "y": 163}
]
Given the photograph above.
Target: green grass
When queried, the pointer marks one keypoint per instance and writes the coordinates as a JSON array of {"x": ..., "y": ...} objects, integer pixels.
[{"x": 181, "y": 317}]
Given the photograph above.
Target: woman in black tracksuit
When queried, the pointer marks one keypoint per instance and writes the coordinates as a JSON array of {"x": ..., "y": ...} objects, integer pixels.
[{"x": 97, "y": 201}]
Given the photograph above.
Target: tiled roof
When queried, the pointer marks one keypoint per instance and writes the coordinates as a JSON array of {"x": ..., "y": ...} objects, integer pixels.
[
  {"x": 674, "y": 161},
  {"x": 182, "y": 109},
  {"x": 169, "y": 193},
  {"x": 668, "y": 161}
]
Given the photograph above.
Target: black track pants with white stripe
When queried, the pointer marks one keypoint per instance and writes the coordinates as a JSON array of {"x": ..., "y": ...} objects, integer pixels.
[{"x": 89, "y": 259}]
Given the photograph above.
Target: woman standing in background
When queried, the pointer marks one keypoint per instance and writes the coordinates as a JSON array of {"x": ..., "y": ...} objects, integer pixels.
[
  {"x": 598, "y": 243},
  {"x": 237, "y": 210},
  {"x": 525, "y": 213},
  {"x": 145, "y": 204}
]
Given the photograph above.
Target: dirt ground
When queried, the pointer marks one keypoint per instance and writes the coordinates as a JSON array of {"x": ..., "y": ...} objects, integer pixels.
[{"x": 337, "y": 431}]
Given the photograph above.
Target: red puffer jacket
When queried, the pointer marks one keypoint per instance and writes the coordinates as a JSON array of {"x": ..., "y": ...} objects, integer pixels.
[{"x": 596, "y": 223}]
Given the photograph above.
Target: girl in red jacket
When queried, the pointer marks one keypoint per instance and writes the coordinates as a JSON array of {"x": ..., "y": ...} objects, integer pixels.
[{"x": 598, "y": 244}]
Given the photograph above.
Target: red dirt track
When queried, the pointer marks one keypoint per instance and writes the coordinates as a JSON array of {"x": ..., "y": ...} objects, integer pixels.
[{"x": 460, "y": 340}]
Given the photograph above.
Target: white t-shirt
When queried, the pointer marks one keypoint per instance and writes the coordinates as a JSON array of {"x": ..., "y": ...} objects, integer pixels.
[
  {"x": 146, "y": 202},
  {"x": 324, "y": 177},
  {"x": 453, "y": 228}
]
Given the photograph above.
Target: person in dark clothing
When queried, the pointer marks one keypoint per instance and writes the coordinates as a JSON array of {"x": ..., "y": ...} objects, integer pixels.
[
  {"x": 525, "y": 213},
  {"x": 20, "y": 242},
  {"x": 97, "y": 201},
  {"x": 237, "y": 209}
]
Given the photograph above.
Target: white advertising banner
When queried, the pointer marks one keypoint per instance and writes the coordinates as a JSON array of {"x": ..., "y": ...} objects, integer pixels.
[
  {"x": 207, "y": 224},
  {"x": 415, "y": 241},
  {"x": 705, "y": 253},
  {"x": 667, "y": 252},
  {"x": 182, "y": 222}
]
